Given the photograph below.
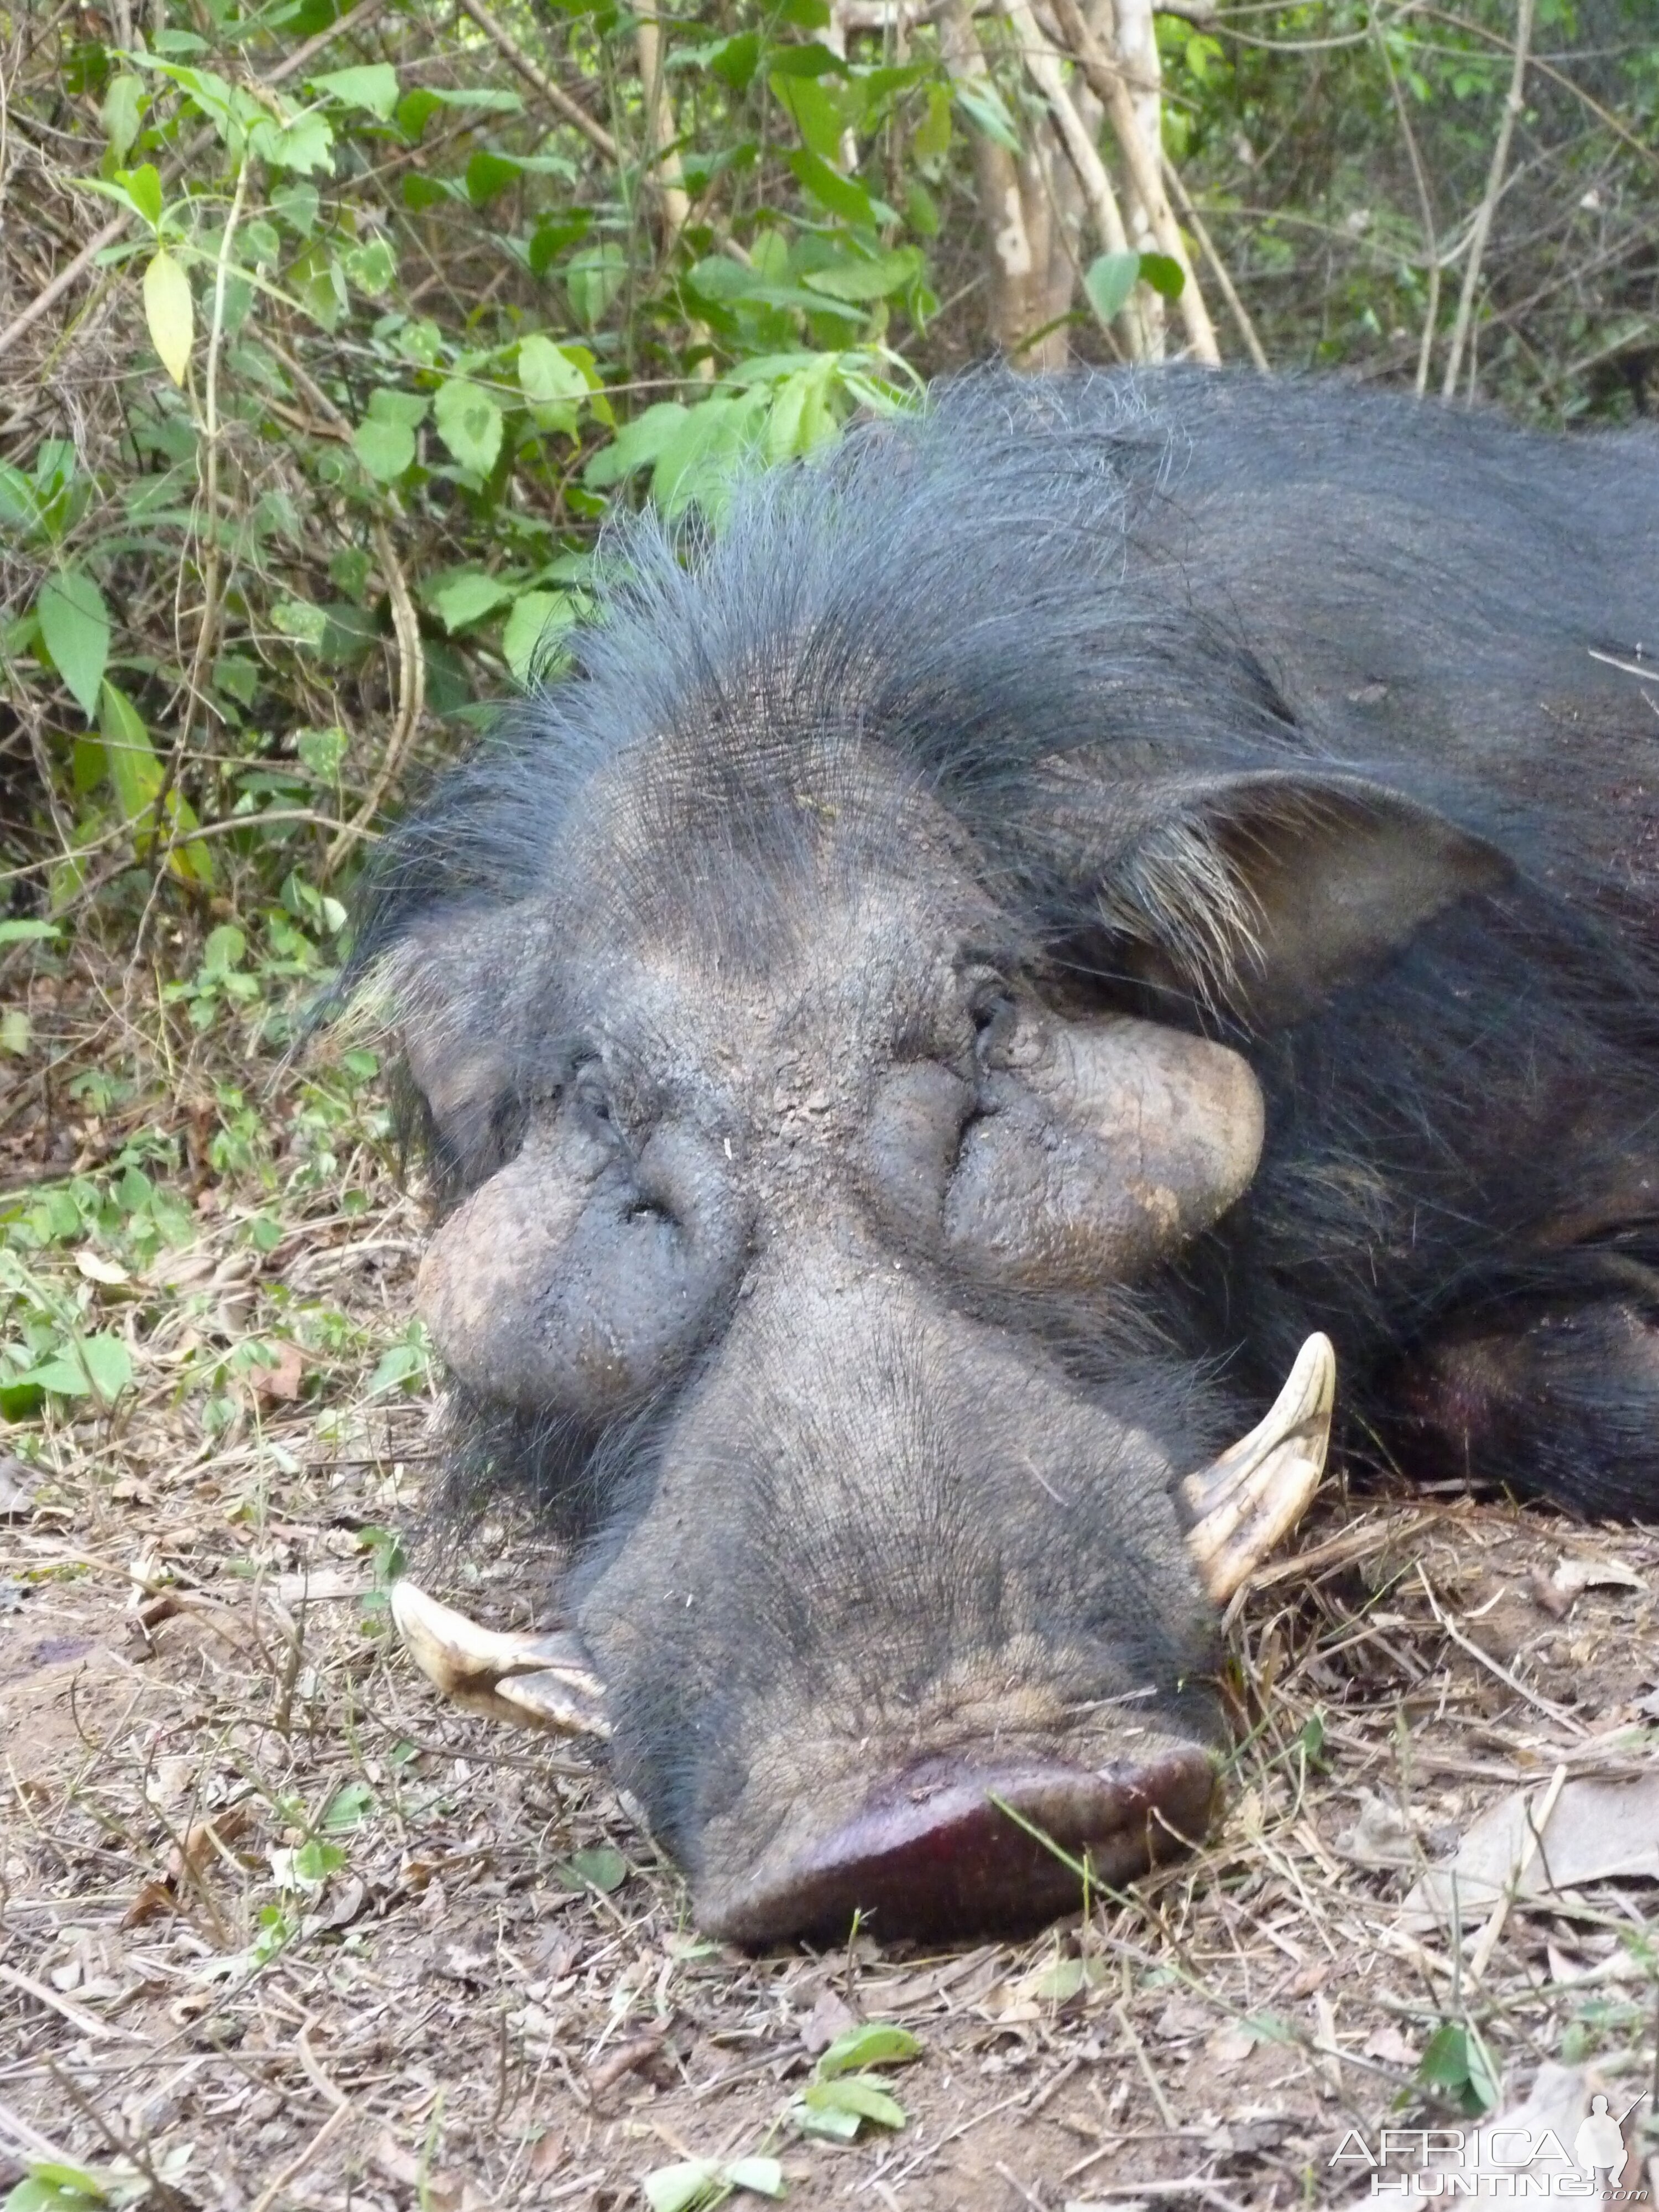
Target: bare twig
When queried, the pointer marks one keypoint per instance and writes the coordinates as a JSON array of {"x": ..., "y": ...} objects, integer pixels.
[
  {"x": 536, "y": 76},
  {"x": 1488, "y": 208},
  {"x": 1223, "y": 282}
]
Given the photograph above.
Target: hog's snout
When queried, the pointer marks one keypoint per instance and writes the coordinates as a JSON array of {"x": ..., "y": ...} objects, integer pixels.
[{"x": 948, "y": 1848}]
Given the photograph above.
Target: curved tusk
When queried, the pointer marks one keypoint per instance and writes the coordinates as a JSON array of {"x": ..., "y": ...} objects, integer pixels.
[
  {"x": 1246, "y": 1502},
  {"x": 539, "y": 1681}
]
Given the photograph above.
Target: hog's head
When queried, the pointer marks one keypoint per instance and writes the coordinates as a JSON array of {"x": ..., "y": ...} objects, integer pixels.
[{"x": 820, "y": 1148}]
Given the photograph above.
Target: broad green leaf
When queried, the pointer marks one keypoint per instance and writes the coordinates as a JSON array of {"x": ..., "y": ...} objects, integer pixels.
[
  {"x": 836, "y": 2127},
  {"x": 1108, "y": 280},
  {"x": 348, "y": 1807},
  {"x": 488, "y": 175},
  {"x": 299, "y": 620},
  {"x": 930, "y": 139},
  {"x": 984, "y": 106},
  {"x": 109, "y": 1363},
  {"x": 840, "y": 194},
  {"x": 697, "y": 2181},
  {"x": 143, "y": 189},
  {"x": 735, "y": 60},
  {"x": 468, "y": 423},
  {"x": 170, "y": 312},
  {"x": 536, "y": 616},
  {"x": 371, "y": 267},
  {"x": 1164, "y": 273},
  {"x": 304, "y": 145},
  {"x": 19, "y": 509},
  {"x": 226, "y": 948},
  {"x": 763, "y": 2176},
  {"x": 385, "y": 449},
  {"x": 123, "y": 112},
  {"x": 135, "y": 773},
  {"x": 815, "y": 110},
  {"x": 74, "y": 624},
  {"x": 593, "y": 279},
  {"x": 463, "y": 595},
  {"x": 849, "y": 278},
  {"x": 63, "y": 1376},
  {"x": 371, "y": 87},
  {"x": 856, "y": 2093},
  {"x": 321, "y": 752},
  {"x": 26, "y": 932},
  {"x": 876, "y": 2043},
  {"x": 297, "y": 205},
  {"x": 683, "y": 2187},
  {"x": 551, "y": 382},
  {"x": 599, "y": 1868},
  {"x": 636, "y": 445}
]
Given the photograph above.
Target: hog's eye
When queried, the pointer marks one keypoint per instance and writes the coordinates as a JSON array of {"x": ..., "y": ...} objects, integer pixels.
[{"x": 995, "y": 1018}]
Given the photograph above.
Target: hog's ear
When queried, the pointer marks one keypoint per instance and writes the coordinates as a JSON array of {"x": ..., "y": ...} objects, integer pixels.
[
  {"x": 1268, "y": 892},
  {"x": 444, "y": 985}
]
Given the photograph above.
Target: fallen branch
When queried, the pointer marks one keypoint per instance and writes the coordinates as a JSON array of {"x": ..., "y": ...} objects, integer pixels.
[{"x": 537, "y": 77}]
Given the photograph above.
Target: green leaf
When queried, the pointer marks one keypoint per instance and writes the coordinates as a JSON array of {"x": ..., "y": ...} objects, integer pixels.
[
  {"x": 321, "y": 752},
  {"x": 836, "y": 2127},
  {"x": 123, "y": 112},
  {"x": 877, "y": 2043},
  {"x": 1164, "y": 274},
  {"x": 856, "y": 279},
  {"x": 109, "y": 1365},
  {"x": 593, "y": 279},
  {"x": 226, "y": 948},
  {"x": 488, "y": 175},
  {"x": 27, "y": 933},
  {"x": 371, "y": 86},
  {"x": 304, "y": 145},
  {"x": 299, "y": 620},
  {"x": 74, "y": 624},
  {"x": 815, "y": 112},
  {"x": 857, "y": 2094},
  {"x": 462, "y": 596},
  {"x": 170, "y": 312},
  {"x": 371, "y": 267},
  {"x": 598, "y": 1868},
  {"x": 135, "y": 773},
  {"x": 20, "y": 510},
  {"x": 930, "y": 139},
  {"x": 840, "y": 194},
  {"x": 551, "y": 382},
  {"x": 62, "y": 1376},
  {"x": 468, "y": 423},
  {"x": 348, "y": 1807},
  {"x": 297, "y": 205},
  {"x": 536, "y": 616},
  {"x": 313, "y": 1861},
  {"x": 1108, "y": 281},
  {"x": 764, "y": 2176},
  {"x": 680, "y": 2188},
  {"x": 985, "y": 108},
  {"x": 143, "y": 189},
  {"x": 734, "y": 60},
  {"x": 385, "y": 449}
]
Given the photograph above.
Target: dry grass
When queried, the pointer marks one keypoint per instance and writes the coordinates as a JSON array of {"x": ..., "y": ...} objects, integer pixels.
[{"x": 276, "y": 1929}]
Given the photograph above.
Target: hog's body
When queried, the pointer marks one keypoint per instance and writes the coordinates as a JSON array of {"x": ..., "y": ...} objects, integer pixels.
[{"x": 1057, "y": 902}]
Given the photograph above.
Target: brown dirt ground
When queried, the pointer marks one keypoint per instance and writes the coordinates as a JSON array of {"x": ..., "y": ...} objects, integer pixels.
[{"x": 195, "y": 1679}]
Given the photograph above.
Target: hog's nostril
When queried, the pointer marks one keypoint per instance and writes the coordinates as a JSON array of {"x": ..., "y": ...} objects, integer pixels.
[{"x": 935, "y": 1853}]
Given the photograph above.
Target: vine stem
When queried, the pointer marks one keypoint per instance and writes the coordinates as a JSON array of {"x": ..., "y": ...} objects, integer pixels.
[
  {"x": 1488, "y": 208},
  {"x": 209, "y": 622}
]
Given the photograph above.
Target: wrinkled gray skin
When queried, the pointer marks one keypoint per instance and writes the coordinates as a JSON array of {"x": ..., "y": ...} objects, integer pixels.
[{"x": 818, "y": 1127}]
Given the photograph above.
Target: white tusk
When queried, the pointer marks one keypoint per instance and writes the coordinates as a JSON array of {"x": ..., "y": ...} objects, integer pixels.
[
  {"x": 539, "y": 1681},
  {"x": 1248, "y": 1501}
]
